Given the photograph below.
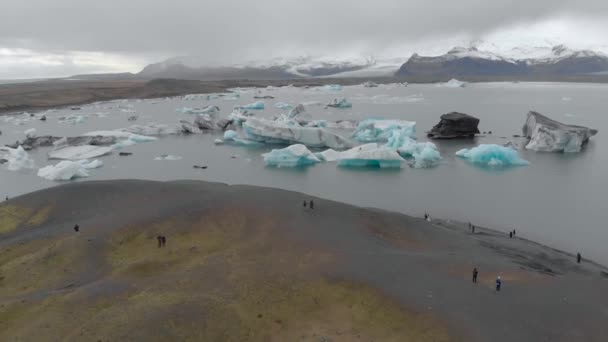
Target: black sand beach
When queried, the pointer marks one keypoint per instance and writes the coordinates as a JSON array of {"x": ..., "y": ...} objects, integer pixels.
[{"x": 243, "y": 263}]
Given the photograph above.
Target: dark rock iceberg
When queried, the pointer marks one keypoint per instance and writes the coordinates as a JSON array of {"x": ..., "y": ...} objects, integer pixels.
[
  {"x": 548, "y": 135},
  {"x": 455, "y": 125}
]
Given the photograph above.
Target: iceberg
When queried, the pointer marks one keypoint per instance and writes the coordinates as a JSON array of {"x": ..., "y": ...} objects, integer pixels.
[
  {"x": 212, "y": 111},
  {"x": 547, "y": 135},
  {"x": 453, "y": 83},
  {"x": 282, "y": 105},
  {"x": 379, "y": 130},
  {"x": 205, "y": 121},
  {"x": 167, "y": 157},
  {"x": 424, "y": 154},
  {"x": 370, "y": 155},
  {"x": 370, "y": 84},
  {"x": 492, "y": 155},
  {"x": 80, "y": 152},
  {"x": 73, "y": 119},
  {"x": 343, "y": 103},
  {"x": 16, "y": 158},
  {"x": 152, "y": 129},
  {"x": 291, "y": 156},
  {"x": 278, "y": 132},
  {"x": 67, "y": 170},
  {"x": 231, "y": 136},
  {"x": 124, "y": 138},
  {"x": 258, "y": 105},
  {"x": 331, "y": 87},
  {"x": 30, "y": 133}
]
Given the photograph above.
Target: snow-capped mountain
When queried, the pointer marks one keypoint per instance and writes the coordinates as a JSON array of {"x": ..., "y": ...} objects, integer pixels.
[
  {"x": 277, "y": 68},
  {"x": 458, "y": 62}
]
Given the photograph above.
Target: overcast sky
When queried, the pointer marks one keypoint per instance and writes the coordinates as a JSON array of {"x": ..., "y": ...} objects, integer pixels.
[{"x": 43, "y": 38}]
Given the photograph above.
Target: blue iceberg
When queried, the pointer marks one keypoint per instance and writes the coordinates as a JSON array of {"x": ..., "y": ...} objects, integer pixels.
[
  {"x": 492, "y": 155},
  {"x": 292, "y": 156},
  {"x": 368, "y": 155},
  {"x": 379, "y": 130},
  {"x": 232, "y": 137},
  {"x": 259, "y": 105},
  {"x": 423, "y": 154}
]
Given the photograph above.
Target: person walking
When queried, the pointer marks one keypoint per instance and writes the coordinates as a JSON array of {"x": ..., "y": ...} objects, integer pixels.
[
  {"x": 510, "y": 235},
  {"x": 160, "y": 241},
  {"x": 475, "y": 272},
  {"x": 579, "y": 258},
  {"x": 498, "y": 284},
  {"x": 76, "y": 228},
  {"x": 312, "y": 204},
  {"x": 304, "y": 204},
  {"x": 164, "y": 240}
]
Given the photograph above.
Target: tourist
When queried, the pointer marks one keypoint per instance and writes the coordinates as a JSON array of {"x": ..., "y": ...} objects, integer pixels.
[
  {"x": 498, "y": 283},
  {"x": 475, "y": 272},
  {"x": 304, "y": 204},
  {"x": 579, "y": 257},
  {"x": 76, "y": 228},
  {"x": 312, "y": 204}
]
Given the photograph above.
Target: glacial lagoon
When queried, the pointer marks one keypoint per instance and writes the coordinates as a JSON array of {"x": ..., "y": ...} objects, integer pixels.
[{"x": 558, "y": 199}]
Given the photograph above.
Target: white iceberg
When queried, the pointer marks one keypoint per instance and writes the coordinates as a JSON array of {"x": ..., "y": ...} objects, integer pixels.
[
  {"x": 16, "y": 158},
  {"x": 212, "y": 111},
  {"x": 167, "y": 157},
  {"x": 282, "y": 105},
  {"x": 342, "y": 103},
  {"x": 453, "y": 83},
  {"x": 80, "y": 152},
  {"x": 291, "y": 156},
  {"x": 278, "y": 132},
  {"x": 379, "y": 130},
  {"x": 30, "y": 133},
  {"x": 152, "y": 129},
  {"x": 548, "y": 135},
  {"x": 67, "y": 170},
  {"x": 125, "y": 138},
  {"x": 331, "y": 87},
  {"x": 232, "y": 137},
  {"x": 492, "y": 155},
  {"x": 370, "y": 155},
  {"x": 258, "y": 105}
]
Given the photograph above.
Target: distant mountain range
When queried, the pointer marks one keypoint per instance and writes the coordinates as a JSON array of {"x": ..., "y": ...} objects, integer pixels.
[
  {"x": 463, "y": 62},
  {"x": 542, "y": 63}
]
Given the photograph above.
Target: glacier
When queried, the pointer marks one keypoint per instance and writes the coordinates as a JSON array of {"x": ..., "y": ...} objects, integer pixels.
[
  {"x": 492, "y": 155},
  {"x": 278, "y": 132},
  {"x": 548, "y": 135},
  {"x": 16, "y": 159},
  {"x": 292, "y": 156},
  {"x": 67, "y": 170}
]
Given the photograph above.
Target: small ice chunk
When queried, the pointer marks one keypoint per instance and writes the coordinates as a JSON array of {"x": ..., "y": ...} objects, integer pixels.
[
  {"x": 167, "y": 157},
  {"x": 67, "y": 170},
  {"x": 218, "y": 141},
  {"x": 72, "y": 119},
  {"x": 370, "y": 84},
  {"x": 492, "y": 155},
  {"x": 331, "y": 87},
  {"x": 80, "y": 152},
  {"x": 231, "y": 136},
  {"x": 30, "y": 133},
  {"x": 291, "y": 156},
  {"x": 282, "y": 105},
  {"x": 453, "y": 83},
  {"x": 342, "y": 103},
  {"x": 16, "y": 158}
]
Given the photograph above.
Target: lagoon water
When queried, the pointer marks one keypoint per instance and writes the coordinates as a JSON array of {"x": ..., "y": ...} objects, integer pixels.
[{"x": 559, "y": 199}]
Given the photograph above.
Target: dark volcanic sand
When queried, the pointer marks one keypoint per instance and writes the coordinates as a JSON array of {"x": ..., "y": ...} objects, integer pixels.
[{"x": 248, "y": 263}]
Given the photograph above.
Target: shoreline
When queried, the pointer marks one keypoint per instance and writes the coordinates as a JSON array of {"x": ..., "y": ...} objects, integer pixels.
[
  {"x": 280, "y": 265},
  {"x": 16, "y": 98}
]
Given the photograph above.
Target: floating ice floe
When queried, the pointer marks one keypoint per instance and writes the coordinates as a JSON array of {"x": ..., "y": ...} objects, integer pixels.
[
  {"x": 422, "y": 155},
  {"x": 73, "y": 119},
  {"x": 232, "y": 137},
  {"x": 547, "y": 135},
  {"x": 380, "y": 130},
  {"x": 30, "y": 133},
  {"x": 16, "y": 159},
  {"x": 342, "y": 103},
  {"x": 218, "y": 141},
  {"x": 80, "y": 152},
  {"x": 124, "y": 138},
  {"x": 154, "y": 129},
  {"x": 370, "y": 84},
  {"x": 211, "y": 110},
  {"x": 278, "y": 132},
  {"x": 453, "y": 83},
  {"x": 282, "y": 105},
  {"x": 167, "y": 157},
  {"x": 258, "y": 105},
  {"x": 299, "y": 113},
  {"x": 67, "y": 170},
  {"x": 291, "y": 156},
  {"x": 331, "y": 87},
  {"x": 370, "y": 155},
  {"x": 492, "y": 155}
]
